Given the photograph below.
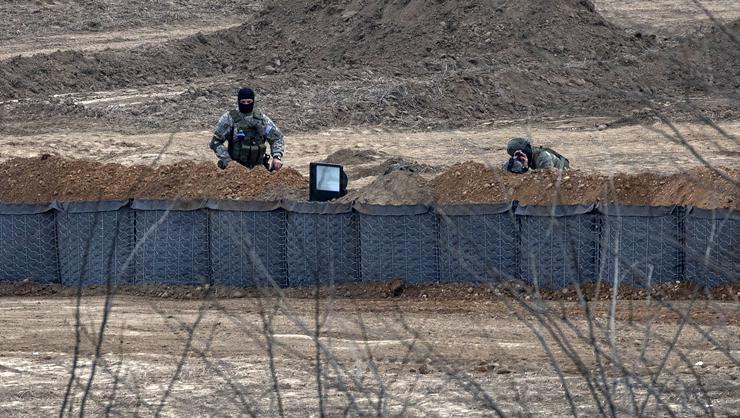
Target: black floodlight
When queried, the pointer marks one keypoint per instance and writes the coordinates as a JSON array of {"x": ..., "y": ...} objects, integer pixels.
[{"x": 328, "y": 181}]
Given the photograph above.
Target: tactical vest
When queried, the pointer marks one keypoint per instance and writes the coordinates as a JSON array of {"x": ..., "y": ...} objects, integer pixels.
[{"x": 247, "y": 145}]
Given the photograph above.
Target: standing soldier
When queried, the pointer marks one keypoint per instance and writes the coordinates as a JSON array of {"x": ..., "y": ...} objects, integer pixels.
[
  {"x": 246, "y": 132},
  {"x": 524, "y": 156}
]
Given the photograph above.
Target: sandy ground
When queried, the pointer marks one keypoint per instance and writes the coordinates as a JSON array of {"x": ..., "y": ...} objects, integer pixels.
[
  {"x": 418, "y": 358},
  {"x": 129, "y": 38},
  {"x": 633, "y": 146},
  {"x": 667, "y": 17},
  {"x": 636, "y": 146},
  {"x": 626, "y": 149},
  {"x": 414, "y": 358}
]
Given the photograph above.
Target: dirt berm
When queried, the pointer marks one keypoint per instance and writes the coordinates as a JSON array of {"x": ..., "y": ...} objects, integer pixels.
[
  {"x": 38, "y": 180},
  {"x": 495, "y": 57},
  {"x": 35, "y": 180},
  {"x": 474, "y": 182}
]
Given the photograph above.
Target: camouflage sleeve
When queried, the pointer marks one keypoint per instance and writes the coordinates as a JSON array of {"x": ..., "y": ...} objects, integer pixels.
[
  {"x": 274, "y": 137},
  {"x": 220, "y": 136},
  {"x": 545, "y": 160}
]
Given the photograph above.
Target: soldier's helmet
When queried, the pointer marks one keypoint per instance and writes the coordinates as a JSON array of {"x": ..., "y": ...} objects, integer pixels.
[{"x": 519, "y": 144}]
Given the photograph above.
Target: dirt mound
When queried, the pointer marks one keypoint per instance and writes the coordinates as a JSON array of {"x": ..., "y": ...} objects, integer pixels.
[
  {"x": 710, "y": 60},
  {"x": 361, "y": 163},
  {"x": 382, "y": 34},
  {"x": 396, "y": 188},
  {"x": 38, "y": 180},
  {"x": 473, "y": 182},
  {"x": 419, "y": 29},
  {"x": 498, "y": 57},
  {"x": 348, "y": 156},
  {"x": 390, "y": 165}
]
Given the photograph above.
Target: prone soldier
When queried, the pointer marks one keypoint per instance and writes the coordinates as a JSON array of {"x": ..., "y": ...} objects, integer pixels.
[{"x": 524, "y": 157}]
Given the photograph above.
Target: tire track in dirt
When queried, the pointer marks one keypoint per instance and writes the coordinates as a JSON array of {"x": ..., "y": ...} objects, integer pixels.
[{"x": 120, "y": 39}]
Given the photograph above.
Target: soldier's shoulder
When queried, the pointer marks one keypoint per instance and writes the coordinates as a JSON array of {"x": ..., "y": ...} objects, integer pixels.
[{"x": 227, "y": 116}]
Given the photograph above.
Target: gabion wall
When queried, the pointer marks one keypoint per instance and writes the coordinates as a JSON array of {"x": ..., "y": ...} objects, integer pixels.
[{"x": 253, "y": 244}]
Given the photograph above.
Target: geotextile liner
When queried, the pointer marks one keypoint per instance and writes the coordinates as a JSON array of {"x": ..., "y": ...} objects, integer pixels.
[
  {"x": 642, "y": 245},
  {"x": 264, "y": 244},
  {"x": 171, "y": 243},
  {"x": 96, "y": 240},
  {"x": 28, "y": 243},
  {"x": 558, "y": 244},
  {"x": 711, "y": 254},
  {"x": 398, "y": 242},
  {"x": 477, "y": 243},
  {"x": 247, "y": 243},
  {"x": 322, "y": 244}
]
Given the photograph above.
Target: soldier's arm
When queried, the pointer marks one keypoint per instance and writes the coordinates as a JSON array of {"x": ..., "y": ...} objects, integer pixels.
[
  {"x": 220, "y": 136},
  {"x": 275, "y": 138},
  {"x": 545, "y": 160}
]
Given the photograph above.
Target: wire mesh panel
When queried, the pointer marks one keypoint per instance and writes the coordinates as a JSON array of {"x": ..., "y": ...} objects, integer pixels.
[
  {"x": 559, "y": 246},
  {"x": 28, "y": 246},
  {"x": 171, "y": 246},
  {"x": 641, "y": 245},
  {"x": 95, "y": 246},
  {"x": 248, "y": 248},
  {"x": 477, "y": 243},
  {"x": 322, "y": 246},
  {"x": 398, "y": 242},
  {"x": 711, "y": 255}
]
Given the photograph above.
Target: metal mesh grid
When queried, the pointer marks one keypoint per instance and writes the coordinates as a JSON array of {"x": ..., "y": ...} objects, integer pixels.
[
  {"x": 28, "y": 248},
  {"x": 559, "y": 252},
  {"x": 403, "y": 246},
  {"x": 648, "y": 249},
  {"x": 172, "y": 247},
  {"x": 248, "y": 248},
  {"x": 258, "y": 248},
  {"x": 478, "y": 248},
  {"x": 94, "y": 247},
  {"x": 323, "y": 246},
  {"x": 711, "y": 253}
]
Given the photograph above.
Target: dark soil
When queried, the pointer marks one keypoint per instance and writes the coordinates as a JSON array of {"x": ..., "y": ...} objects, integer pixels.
[
  {"x": 348, "y": 63},
  {"x": 396, "y": 188},
  {"x": 47, "y": 178},
  {"x": 88, "y": 16},
  {"x": 40, "y": 180},
  {"x": 349, "y": 157},
  {"x": 361, "y": 163},
  {"x": 394, "y": 289},
  {"x": 473, "y": 182}
]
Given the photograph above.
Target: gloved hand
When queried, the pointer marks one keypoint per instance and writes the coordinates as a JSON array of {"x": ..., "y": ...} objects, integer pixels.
[
  {"x": 222, "y": 164},
  {"x": 276, "y": 164}
]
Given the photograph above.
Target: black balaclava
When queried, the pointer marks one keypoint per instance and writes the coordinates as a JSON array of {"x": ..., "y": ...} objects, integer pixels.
[{"x": 245, "y": 93}]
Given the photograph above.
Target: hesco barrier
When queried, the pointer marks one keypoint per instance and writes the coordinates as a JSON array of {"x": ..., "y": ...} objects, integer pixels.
[{"x": 253, "y": 244}]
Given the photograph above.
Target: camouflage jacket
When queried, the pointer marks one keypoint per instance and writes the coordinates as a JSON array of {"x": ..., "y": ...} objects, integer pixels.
[
  {"x": 225, "y": 132},
  {"x": 547, "y": 158}
]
